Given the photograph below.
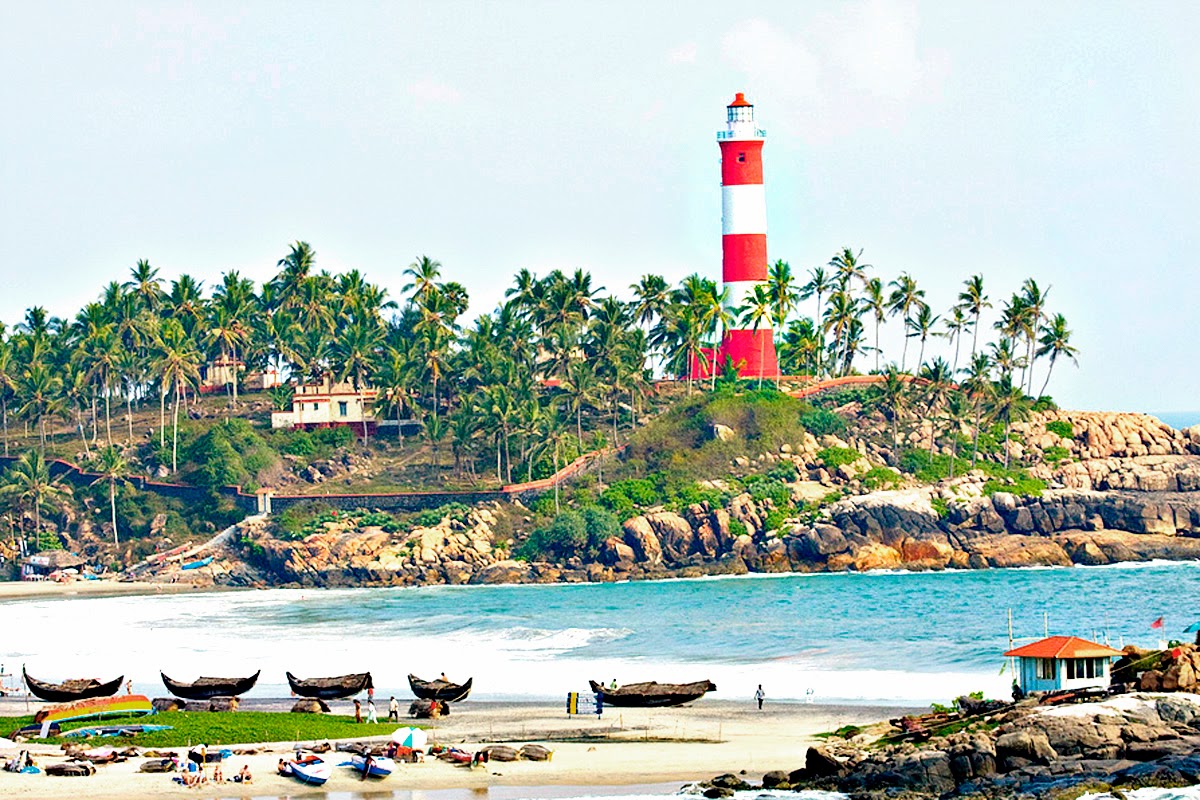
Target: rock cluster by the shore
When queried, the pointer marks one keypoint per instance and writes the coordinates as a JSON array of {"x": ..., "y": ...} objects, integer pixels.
[{"x": 1032, "y": 751}]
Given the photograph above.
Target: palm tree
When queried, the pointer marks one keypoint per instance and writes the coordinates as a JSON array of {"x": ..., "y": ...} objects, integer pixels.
[
  {"x": 1009, "y": 403},
  {"x": 957, "y": 409},
  {"x": 781, "y": 284},
  {"x": 921, "y": 326},
  {"x": 974, "y": 300},
  {"x": 842, "y": 312},
  {"x": 1035, "y": 302},
  {"x": 7, "y": 383},
  {"x": 651, "y": 296},
  {"x": 177, "y": 365},
  {"x": 1056, "y": 343},
  {"x": 937, "y": 377},
  {"x": 977, "y": 384},
  {"x": 818, "y": 284},
  {"x": 42, "y": 391},
  {"x": 875, "y": 302},
  {"x": 29, "y": 483},
  {"x": 904, "y": 298},
  {"x": 894, "y": 392},
  {"x": 756, "y": 313},
  {"x": 423, "y": 276},
  {"x": 229, "y": 329},
  {"x": 112, "y": 468},
  {"x": 955, "y": 325},
  {"x": 356, "y": 352},
  {"x": 848, "y": 268},
  {"x": 295, "y": 269},
  {"x": 799, "y": 346},
  {"x": 144, "y": 284},
  {"x": 715, "y": 318}
]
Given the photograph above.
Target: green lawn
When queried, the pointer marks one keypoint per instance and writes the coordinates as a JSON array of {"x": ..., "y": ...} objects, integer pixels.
[{"x": 221, "y": 728}]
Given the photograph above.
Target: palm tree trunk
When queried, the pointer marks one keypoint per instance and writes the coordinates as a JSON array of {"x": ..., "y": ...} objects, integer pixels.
[
  {"x": 762, "y": 354},
  {"x": 175, "y": 434},
  {"x": 1040, "y": 394},
  {"x": 4, "y": 405},
  {"x": 129, "y": 409},
  {"x": 108, "y": 413},
  {"x": 579, "y": 424},
  {"x": 95, "y": 417},
  {"x": 1007, "y": 427},
  {"x": 235, "y": 378},
  {"x": 112, "y": 503},
  {"x": 904, "y": 351},
  {"x": 975, "y": 436},
  {"x": 162, "y": 417},
  {"x": 975, "y": 336},
  {"x": 877, "y": 344}
]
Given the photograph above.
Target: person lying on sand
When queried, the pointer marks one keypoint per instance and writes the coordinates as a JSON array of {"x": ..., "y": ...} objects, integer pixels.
[{"x": 243, "y": 775}]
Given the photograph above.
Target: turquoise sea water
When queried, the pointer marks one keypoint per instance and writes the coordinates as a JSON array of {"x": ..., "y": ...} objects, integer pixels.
[
  {"x": 1179, "y": 419},
  {"x": 877, "y": 637}
]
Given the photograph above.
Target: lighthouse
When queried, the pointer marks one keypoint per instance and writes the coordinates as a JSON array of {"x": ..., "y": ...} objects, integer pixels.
[{"x": 744, "y": 238}]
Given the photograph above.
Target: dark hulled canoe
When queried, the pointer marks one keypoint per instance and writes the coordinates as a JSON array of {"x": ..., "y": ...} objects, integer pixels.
[
  {"x": 652, "y": 694},
  {"x": 439, "y": 690},
  {"x": 331, "y": 688},
  {"x": 71, "y": 690},
  {"x": 208, "y": 688}
]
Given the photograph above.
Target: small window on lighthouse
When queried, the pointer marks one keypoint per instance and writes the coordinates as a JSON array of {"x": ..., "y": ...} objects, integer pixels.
[{"x": 742, "y": 158}]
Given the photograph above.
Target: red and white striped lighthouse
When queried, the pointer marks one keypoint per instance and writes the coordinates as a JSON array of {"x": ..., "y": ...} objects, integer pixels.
[{"x": 744, "y": 237}]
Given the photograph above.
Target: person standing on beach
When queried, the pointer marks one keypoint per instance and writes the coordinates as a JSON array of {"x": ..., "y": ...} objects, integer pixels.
[
  {"x": 357, "y": 711},
  {"x": 372, "y": 716},
  {"x": 393, "y": 710},
  {"x": 759, "y": 696}
]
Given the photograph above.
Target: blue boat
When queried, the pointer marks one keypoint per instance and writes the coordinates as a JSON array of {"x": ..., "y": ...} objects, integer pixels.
[
  {"x": 116, "y": 730},
  {"x": 204, "y": 562},
  {"x": 308, "y": 769},
  {"x": 374, "y": 766}
]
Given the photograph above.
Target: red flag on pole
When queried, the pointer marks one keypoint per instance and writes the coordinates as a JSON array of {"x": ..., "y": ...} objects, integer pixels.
[{"x": 1158, "y": 623}]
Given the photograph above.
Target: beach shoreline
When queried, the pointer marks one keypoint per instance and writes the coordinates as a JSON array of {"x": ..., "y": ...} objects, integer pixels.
[{"x": 622, "y": 748}]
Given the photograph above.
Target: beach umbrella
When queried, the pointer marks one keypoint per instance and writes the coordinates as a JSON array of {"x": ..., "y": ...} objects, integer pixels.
[
  {"x": 410, "y": 737},
  {"x": 1193, "y": 628}
]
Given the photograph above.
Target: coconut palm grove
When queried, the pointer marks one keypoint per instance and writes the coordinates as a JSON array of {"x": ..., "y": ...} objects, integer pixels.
[{"x": 563, "y": 366}]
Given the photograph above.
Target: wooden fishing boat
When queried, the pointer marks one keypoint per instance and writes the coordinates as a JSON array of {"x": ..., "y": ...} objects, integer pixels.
[
  {"x": 208, "y": 688},
  {"x": 440, "y": 689},
  {"x": 336, "y": 688},
  {"x": 307, "y": 768},
  {"x": 652, "y": 694},
  {"x": 70, "y": 690},
  {"x": 125, "y": 705},
  {"x": 373, "y": 766},
  {"x": 115, "y": 730},
  {"x": 203, "y": 562}
]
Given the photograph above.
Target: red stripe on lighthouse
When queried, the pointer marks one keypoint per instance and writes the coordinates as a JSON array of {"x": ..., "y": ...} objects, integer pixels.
[
  {"x": 741, "y": 163},
  {"x": 744, "y": 257}
]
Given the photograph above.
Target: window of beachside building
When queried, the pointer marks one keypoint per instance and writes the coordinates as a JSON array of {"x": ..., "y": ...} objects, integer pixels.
[
  {"x": 1046, "y": 669},
  {"x": 343, "y": 407},
  {"x": 1085, "y": 668}
]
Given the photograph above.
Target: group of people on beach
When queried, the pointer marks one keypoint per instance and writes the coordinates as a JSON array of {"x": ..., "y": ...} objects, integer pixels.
[
  {"x": 195, "y": 775},
  {"x": 372, "y": 714}
]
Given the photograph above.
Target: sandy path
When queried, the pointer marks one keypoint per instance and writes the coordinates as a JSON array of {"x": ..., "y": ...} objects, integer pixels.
[{"x": 630, "y": 746}]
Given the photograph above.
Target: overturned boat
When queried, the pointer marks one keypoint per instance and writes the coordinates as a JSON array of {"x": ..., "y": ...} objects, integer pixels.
[
  {"x": 652, "y": 694},
  {"x": 208, "y": 688},
  {"x": 71, "y": 690},
  {"x": 336, "y": 688},
  {"x": 442, "y": 690}
]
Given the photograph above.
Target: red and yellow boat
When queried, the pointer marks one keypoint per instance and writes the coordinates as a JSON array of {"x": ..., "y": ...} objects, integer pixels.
[{"x": 124, "y": 705}]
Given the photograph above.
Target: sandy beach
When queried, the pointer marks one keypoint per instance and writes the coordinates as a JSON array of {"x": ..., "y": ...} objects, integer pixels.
[
  {"x": 43, "y": 590},
  {"x": 623, "y": 747}
]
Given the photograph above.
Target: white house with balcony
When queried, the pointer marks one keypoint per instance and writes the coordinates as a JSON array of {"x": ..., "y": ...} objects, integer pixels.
[
  {"x": 1063, "y": 662},
  {"x": 326, "y": 405}
]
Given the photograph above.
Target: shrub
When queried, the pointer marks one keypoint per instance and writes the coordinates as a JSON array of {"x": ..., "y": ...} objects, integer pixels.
[
  {"x": 784, "y": 472},
  {"x": 300, "y": 443},
  {"x": 455, "y": 511},
  {"x": 1061, "y": 428},
  {"x": 1045, "y": 403},
  {"x": 565, "y": 536},
  {"x": 600, "y": 525},
  {"x": 294, "y": 520},
  {"x": 1018, "y": 482},
  {"x": 822, "y": 422},
  {"x": 737, "y": 528},
  {"x": 774, "y": 520},
  {"x": 878, "y": 478},
  {"x": 941, "y": 506},
  {"x": 834, "y": 457},
  {"x": 1055, "y": 454}
]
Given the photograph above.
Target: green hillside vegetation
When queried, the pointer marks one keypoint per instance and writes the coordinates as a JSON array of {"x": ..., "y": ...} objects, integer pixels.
[{"x": 560, "y": 367}]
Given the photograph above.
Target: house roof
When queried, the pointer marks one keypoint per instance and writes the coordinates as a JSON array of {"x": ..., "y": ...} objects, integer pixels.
[
  {"x": 739, "y": 100},
  {"x": 55, "y": 559},
  {"x": 1064, "y": 647}
]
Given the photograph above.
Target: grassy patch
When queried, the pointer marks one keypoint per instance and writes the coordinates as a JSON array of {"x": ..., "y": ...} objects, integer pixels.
[
  {"x": 223, "y": 728},
  {"x": 878, "y": 478},
  {"x": 1061, "y": 428},
  {"x": 941, "y": 505},
  {"x": 834, "y": 457},
  {"x": 1055, "y": 454}
]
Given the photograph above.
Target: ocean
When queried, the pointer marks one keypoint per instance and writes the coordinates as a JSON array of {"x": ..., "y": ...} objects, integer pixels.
[
  {"x": 882, "y": 638},
  {"x": 1178, "y": 419}
]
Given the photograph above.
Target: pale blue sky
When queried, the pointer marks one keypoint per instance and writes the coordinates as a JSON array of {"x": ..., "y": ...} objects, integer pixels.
[{"x": 1055, "y": 140}]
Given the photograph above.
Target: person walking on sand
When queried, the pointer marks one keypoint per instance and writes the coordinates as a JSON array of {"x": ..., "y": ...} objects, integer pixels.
[
  {"x": 759, "y": 696},
  {"x": 372, "y": 716},
  {"x": 393, "y": 710},
  {"x": 357, "y": 711}
]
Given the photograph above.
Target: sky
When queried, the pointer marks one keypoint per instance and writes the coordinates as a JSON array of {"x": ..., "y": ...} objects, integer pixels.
[{"x": 1014, "y": 139}]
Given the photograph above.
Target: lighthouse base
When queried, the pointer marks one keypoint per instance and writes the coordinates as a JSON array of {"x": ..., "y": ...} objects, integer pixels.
[{"x": 752, "y": 353}]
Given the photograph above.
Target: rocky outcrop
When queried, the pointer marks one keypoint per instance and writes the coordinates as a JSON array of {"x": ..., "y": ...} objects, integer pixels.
[{"x": 1124, "y": 742}]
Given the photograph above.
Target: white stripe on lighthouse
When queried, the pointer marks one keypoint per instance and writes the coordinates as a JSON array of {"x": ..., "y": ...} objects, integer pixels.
[{"x": 743, "y": 209}]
